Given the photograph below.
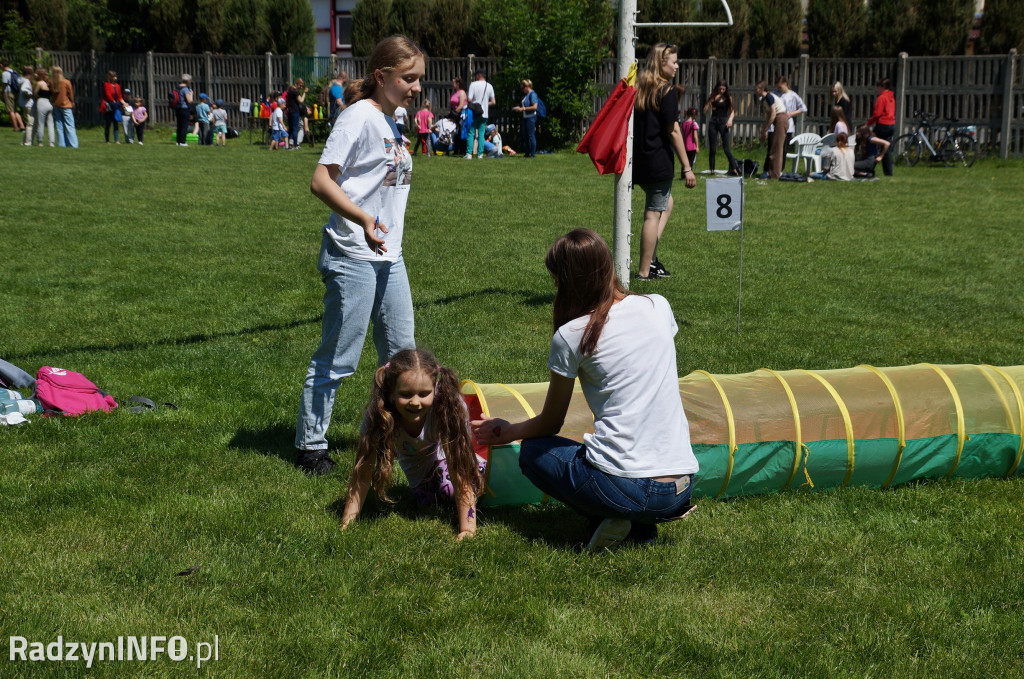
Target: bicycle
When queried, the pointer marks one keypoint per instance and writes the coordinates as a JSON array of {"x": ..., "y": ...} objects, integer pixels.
[{"x": 955, "y": 145}]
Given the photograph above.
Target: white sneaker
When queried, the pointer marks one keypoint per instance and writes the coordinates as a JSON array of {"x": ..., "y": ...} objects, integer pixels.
[
  {"x": 140, "y": 143},
  {"x": 609, "y": 532},
  {"x": 467, "y": 156}
]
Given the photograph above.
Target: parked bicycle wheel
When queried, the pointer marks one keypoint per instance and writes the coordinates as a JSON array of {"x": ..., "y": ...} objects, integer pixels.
[
  {"x": 907, "y": 150},
  {"x": 960, "y": 149}
]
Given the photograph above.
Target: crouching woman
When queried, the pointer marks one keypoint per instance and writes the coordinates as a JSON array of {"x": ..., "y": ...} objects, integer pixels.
[{"x": 637, "y": 468}]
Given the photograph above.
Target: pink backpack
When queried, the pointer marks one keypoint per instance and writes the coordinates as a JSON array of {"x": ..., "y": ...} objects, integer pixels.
[{"x": 69, "y": 392}]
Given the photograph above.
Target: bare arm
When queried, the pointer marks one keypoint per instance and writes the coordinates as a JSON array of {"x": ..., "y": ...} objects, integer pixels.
[
  {"x": 494, "y": 432},
  {"x": 358, "y": 487},
  {"x": 324, "y": 186}
]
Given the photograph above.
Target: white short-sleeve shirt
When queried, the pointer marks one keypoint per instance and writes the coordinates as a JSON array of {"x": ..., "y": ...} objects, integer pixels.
[
  {"x": 631, "y": 384},
  {"x": 375, "y": 171}
]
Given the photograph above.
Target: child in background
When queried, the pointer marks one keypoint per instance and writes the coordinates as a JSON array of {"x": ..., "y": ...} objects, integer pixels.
[
  {"x": 139, "y": 117},
  {"x": 400, "y": 115},
  {"x": 219, "y": 119},
  {"x": 203, "y": 118},
  {"x": 424, "y": 121},
  {"x": 691, "y": 134},
  {"x": 278, "y": 132},
  {"x": 414, "y": 406},
  {"x": 492, "y": 142},
  {"x": 447, "y": 131},
  {"x": 126, "y": 117}
]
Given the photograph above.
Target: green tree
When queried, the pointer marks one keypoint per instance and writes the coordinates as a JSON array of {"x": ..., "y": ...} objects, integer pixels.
[
  {"x": 556, "y": 45},
  {"x": 943, "y": 26},
  {"x": 411, "y": 18},
  {"x": 450, "y": 22},
  {"x": 246, "y": 28},
  {"x": 292, "y": 26},
  {"x": 50, "y": 18},
  {"x": 171, "y": 22},
  {"x": 836, "y": 28},
  {"x": 1002, "y": 27},
  {"x": 85, "y": 17},
  {"x": 731, "y": 42},
  {"x": 210, "y": 25},
  {"x": 371, "y": 21},
  {"x": 891, "y": 26},
  {"x": 18, "y": 39},
  {"x": 774, "y": 28}
]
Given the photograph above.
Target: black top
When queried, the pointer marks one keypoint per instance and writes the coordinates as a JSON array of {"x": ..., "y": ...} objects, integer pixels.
[
  {"x": 292, "y": 100},
  {"x": 845, "y": 105},
  {"x": 720, "y": 109},
  {"x": 653, "y": 155}
]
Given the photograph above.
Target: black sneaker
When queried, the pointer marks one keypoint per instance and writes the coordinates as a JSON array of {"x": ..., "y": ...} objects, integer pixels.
[
  {"x": 659, "y": 269},
  {"x": 315, "y": 462}
]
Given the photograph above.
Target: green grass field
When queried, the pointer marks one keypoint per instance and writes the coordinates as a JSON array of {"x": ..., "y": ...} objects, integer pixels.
[{"x": 189, "y": 275}]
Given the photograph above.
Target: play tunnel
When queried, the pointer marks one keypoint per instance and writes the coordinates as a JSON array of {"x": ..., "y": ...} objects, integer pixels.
[{"x": 769, "y": 431}]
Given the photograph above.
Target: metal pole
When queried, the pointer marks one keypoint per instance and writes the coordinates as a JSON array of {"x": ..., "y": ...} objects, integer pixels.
[{"x": 624, "y": 182}]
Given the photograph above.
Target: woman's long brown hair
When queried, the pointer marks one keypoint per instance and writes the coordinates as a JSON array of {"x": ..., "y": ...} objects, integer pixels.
[
  {"x": 585, "y": 282},
  {"x": 650, "y": 83},
  {"x": 390, "y": 53}
]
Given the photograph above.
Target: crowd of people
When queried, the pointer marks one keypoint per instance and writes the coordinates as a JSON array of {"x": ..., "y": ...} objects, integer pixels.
[{"x": 41, "y": 105}]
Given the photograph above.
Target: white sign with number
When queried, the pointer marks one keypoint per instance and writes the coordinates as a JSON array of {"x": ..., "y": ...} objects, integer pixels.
[
  {"x": 724, "y": 203},
  {"x": 245, "y": 105}
]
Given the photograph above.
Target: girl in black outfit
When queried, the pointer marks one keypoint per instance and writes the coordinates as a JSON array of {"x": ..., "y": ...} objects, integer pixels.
[{"x": 720, "y": 124}]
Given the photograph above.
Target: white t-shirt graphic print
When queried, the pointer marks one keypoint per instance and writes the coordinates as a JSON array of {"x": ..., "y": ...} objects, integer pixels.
[{"x": 375, "y": 171}]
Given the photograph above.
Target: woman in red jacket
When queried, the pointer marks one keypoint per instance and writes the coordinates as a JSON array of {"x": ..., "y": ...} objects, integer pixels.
[
  {"x": 883, "y": 117},
  {"x": 112, "y": 102}
]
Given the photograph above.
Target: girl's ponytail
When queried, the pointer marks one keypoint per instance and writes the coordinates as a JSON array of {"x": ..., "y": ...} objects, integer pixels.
[
  {"x": 389, "y": 54},
  {"x": 451, "y": 418}
]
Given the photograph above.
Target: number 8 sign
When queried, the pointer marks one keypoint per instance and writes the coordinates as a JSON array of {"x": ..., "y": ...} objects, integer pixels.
[{"x": 724, "y": 199}]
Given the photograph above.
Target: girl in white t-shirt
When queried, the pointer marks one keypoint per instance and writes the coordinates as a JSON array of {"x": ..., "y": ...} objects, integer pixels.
[
  {"x": 363, "y": 176},
  {"x": 637, "y": 467},
  {"x": 414, "y": 406}
]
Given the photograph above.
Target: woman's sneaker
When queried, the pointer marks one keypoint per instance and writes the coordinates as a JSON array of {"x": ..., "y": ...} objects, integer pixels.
[
  {"x": 609, "y": 532},
  {"x": 658, "y": 270}
]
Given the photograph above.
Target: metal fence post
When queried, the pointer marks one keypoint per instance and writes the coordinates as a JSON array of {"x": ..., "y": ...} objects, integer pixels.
[{"x": 1006, "y": 122}]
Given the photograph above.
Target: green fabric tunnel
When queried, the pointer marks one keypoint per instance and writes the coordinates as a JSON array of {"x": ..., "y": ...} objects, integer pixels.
[{"x": 769, "y": 431}]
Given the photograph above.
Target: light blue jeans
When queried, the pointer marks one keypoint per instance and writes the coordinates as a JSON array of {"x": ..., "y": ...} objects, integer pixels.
[
  {"x": 65, "y": 119},
  {"x": 357, "y": 292}
]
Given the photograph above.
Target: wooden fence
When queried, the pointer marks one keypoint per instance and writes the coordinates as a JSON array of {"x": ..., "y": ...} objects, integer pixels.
[{"x": 985, "y": 91}]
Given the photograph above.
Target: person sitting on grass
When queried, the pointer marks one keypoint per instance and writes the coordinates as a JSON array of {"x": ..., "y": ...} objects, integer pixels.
[
  {"x": 416, "y": 415},
  {"x": 839, "y": 160},
  {"x": 637, "y": 467}
]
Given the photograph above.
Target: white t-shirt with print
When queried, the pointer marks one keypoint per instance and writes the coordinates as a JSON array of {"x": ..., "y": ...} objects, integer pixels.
[
  {"x": 631, "y": 384},
  {"x": 481, "y": 92},
  {"x": 375, "y": 171},
  {"x": 400, "y": 115}
]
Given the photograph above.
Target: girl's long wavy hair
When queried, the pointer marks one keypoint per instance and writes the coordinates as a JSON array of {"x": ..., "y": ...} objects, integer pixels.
[
  {"x": 585, "y": 282},
  {"x": 57, "y": 80},
  {"x": 448, "y": 413},
  {"x": 725, "y": 95},
  {"x": 650, "y": 83},
  {"x": 837, "y": 116},
  {"x": 389, "y": 54}
]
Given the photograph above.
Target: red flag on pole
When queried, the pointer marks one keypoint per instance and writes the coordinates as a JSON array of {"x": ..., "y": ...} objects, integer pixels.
[{"x": 605, "y": 141}]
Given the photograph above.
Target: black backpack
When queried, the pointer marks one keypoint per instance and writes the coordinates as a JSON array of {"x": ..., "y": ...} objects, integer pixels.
[{"x": 750, "y": 168}]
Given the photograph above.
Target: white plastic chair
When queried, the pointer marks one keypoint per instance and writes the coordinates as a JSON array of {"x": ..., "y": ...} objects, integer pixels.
[{"x": 804, "y": 145}]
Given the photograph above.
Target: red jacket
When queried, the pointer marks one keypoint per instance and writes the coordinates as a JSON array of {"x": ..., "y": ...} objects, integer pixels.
[
  {"x": 111, "y": 95},
  {"x": 884, "y": 112}
]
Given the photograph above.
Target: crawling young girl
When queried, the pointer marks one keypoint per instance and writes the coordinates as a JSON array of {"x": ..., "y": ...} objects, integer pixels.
[{"x": 416, "y": 415}]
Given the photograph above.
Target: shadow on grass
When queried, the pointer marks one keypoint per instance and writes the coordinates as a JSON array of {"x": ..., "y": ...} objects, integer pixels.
[
  {"x": 279, "y": 441},
  {"x": 557, "y": 526},
  {"x": 529, "y": 298}
]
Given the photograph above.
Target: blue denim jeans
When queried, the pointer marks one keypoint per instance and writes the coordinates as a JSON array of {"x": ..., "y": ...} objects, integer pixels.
[
  {"x": 560, "y": 468},
  {"x": 357, "y": 291},
  {"x": 65, "y": 120},
  {"x": 294, "y": 122},
  {"x": 529, "y": 141}
]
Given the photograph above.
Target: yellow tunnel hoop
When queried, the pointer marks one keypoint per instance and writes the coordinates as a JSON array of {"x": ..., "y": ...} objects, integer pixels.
[
  {"x": 1020, "y": 412},
  {"x": 999, "y": 392},
  {"x": 847, "y": 422},
  {"x": 798, "y": 443},
  {"x": 901, "y": 422},
  {"x": 529, "y": 414},
  {"x": 961, "y": 434},
  {"x": 731, "y": 421},
  {"x": 486, "y": 412}
]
